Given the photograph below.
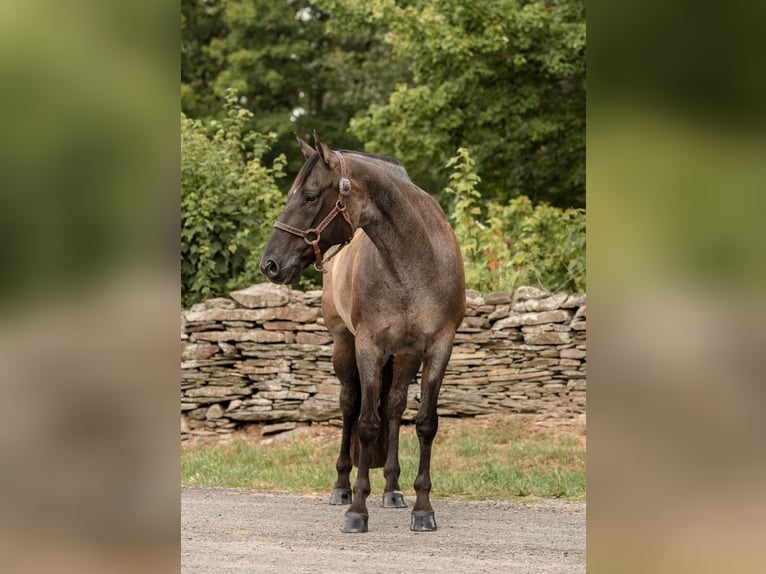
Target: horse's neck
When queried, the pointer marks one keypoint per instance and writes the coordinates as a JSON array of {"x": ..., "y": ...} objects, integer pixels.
[{"x": 395, "y": 223}]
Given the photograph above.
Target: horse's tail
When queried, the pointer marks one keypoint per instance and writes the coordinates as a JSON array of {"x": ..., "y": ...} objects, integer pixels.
[{"x": 380, "y": 448}]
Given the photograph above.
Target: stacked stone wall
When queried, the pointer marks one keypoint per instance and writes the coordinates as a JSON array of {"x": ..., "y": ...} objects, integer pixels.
[{"x": 264, "y": 355}]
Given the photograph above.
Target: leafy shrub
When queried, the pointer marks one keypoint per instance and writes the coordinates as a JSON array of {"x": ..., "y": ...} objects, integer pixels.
[
  {"x": 517, "y": 243},
  {"x": 228, "y": 201}
]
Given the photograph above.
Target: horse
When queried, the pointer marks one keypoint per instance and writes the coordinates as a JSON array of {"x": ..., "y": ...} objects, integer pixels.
[{"x": 393, "y": 298}]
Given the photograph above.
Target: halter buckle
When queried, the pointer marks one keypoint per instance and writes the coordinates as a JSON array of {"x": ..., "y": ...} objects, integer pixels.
[{"x": 344, "y": 186}]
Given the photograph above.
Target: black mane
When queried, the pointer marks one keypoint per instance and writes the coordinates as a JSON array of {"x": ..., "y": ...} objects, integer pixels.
[
  {"x": 312, "y": 160},
  {"x": 384, "y": 158}
]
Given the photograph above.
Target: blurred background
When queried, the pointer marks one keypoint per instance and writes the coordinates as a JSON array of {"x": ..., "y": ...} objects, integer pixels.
[
  {"x": 675, "y": 171},
  {"x": 89, "y": 186}
]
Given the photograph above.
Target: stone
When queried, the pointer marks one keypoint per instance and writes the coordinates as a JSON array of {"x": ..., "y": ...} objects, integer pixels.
[
  {"x": 262, "y": 295},
  {"x": 500, "y": 312},
  {"x": 199, "y": 351},
  {"x": 473, "y": 298},
  {"x": 313, "y": 297},
  {"x": 525, "y": 292},
  {"x": 572, "y": 302},
  {"x": 216, "y": 303},
  {"x": 516, "y": 320},
  {"x": 227, "y": 349},
  {"x": 215, "y": 411},
  {"x": 216, "y": 392},
  {"x": 572, "y": 354},
  {"x": 479, "y": 323},
  {"x": 197, "y": 414},
  {"x": 216, "y": 314},
  {"x": 547, "y": 338},
  {"x": 305, "y": 338},
  {"x": 277, "y": 428},
  {"x": 256, "y": 336},
  {"x": 545, "y": 304},
  {"x": 238, "y": 325},
  {"x": 497, "y": 298},
  {"x": 280, "y": 326}
]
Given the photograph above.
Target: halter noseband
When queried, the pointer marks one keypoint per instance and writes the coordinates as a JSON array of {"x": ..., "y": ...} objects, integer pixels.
[{"x": 312, "y": 236}]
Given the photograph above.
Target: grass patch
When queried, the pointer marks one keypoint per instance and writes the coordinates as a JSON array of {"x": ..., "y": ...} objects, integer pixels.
[{"x": 508, "y": 460}]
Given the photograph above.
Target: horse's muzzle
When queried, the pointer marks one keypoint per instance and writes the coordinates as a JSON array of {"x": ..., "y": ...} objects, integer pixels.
[
  {"x": 275, "y": 273},
  {"x": 270, "y": 269}
]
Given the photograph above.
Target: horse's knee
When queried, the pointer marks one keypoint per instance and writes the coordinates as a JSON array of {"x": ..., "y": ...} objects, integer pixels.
[
  {"x": 426, "y": 425},
  {"x": 369, "y": 427}
]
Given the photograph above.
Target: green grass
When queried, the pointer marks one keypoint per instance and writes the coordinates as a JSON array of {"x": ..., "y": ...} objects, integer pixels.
[{"x": 507, "y": 461}]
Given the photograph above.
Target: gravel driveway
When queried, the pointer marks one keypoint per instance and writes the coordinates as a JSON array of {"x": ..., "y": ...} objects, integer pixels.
[{"x": 234, "y": 530}]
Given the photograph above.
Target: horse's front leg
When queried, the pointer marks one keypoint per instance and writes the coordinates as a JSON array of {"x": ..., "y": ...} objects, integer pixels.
[
  {"x": 344, "y": 363},
  {"x": 426, "y": 425},
  {"x": 370, "y": 363},
  {"x": 404, "y": 370}
]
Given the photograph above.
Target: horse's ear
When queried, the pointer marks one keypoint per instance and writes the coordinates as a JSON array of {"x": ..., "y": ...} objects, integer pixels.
[
  {"x": 306, "y": 149},
  {"x": 324, "y": 151}
]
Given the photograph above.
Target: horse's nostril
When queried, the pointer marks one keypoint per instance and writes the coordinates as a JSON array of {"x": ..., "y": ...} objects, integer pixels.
[{"x": 269, "y": 268}]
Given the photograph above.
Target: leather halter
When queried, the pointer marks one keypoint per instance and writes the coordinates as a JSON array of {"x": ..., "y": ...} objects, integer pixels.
[{"x": 312, "y": 236}]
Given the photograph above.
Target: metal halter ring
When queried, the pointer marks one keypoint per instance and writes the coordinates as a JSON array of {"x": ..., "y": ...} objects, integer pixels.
[
  {"x": 344, "y": 186},
  {"x": 307, "y": 236}
]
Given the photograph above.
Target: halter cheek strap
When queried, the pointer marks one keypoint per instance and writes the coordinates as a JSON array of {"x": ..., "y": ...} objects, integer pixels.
[{"x": 312, "y": 236}]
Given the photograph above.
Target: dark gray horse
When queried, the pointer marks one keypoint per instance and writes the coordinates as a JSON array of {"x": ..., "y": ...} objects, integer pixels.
[{"x": 393, "y": 296}]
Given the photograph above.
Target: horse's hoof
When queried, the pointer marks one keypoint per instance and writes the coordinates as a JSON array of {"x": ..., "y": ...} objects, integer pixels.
[
  {"x": 423, "y": 521},
  {"x": 393, "y": 500},
  {"x": 354, "y": 522},
  {"x": 340, "y": 496}
]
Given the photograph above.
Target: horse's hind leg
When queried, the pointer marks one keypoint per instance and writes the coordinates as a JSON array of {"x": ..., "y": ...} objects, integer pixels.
[
  {"x": 344, "y": 362},
  {"x": 426, "y": 425},
  {"x": 405, "y": 367}
]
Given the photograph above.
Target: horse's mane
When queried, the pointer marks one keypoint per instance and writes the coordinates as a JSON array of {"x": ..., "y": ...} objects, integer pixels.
[
  {"x": 312, "y": 160},
  {"x": 383, "y": 158}
]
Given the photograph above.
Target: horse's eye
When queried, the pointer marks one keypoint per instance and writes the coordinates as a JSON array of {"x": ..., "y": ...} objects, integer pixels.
[{"x": 310, "y": 198}]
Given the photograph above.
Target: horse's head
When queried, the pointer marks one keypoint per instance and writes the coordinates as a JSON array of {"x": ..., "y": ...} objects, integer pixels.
[{"x": 314, "y": 218}]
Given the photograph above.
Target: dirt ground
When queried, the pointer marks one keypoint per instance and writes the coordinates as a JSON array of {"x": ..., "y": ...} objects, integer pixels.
[{"x": 234, "y": 530}]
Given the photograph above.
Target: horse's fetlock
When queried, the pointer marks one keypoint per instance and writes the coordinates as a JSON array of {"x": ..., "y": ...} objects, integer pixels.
[
  {"x": 422, "y": 484},
  {"x": 343, "y": 466},
  {"x": 391, "y": 469}
]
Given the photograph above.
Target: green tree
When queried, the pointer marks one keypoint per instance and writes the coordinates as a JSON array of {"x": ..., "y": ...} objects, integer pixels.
[
  {"x": 285, "y": 66},
  {"x": 505, "y": 78},
  {"x": 229, "y": 199}
]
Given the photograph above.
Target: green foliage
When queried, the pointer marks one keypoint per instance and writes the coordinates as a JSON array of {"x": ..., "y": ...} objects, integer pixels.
[
  {"x": 517, "y": 243},
  {"x": 228, "y": 200},
  {"x": 284, "y": 65},
  {"x": 413, "y": 79},
  {"x": 505, "y": 78}
]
